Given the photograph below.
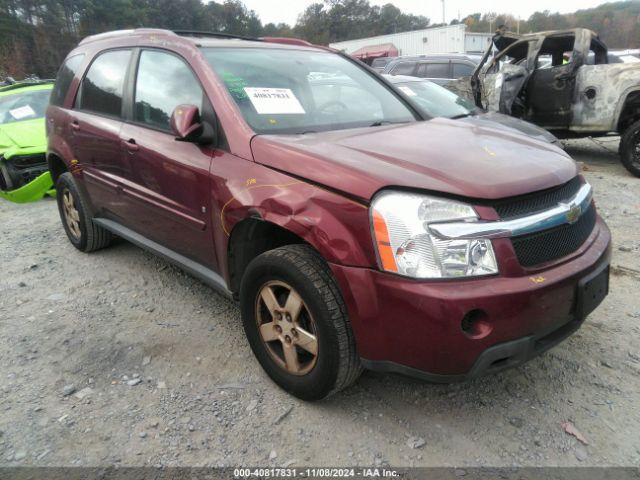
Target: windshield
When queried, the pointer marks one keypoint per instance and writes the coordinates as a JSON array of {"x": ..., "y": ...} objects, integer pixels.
[
  {"x": 436, "y": 101},
  {"x": 295, "y": 91},
  {"x": 19, "y": 106}
]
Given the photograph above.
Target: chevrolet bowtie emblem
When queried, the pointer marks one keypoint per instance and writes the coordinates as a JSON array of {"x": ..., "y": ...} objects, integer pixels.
[{"x": 574, "y": 213}]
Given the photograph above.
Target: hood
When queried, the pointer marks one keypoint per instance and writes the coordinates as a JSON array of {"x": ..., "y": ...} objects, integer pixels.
[
  {"x": 438, "y": 155},
  {"x": 501, "y": 121},
  {"x": 29, "y": 133}
]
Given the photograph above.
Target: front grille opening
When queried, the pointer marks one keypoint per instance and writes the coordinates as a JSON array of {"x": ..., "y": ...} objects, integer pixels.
[
  {"x": 538, "y": 201},
  {"x": 555, "y": 243},
  {"x": 20, "y": 170}
]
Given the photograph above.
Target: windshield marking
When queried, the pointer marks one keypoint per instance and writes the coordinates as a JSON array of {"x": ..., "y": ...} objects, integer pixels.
[
  {"x": 22, "y": 112},
  {"x": 274, "y": 101}
]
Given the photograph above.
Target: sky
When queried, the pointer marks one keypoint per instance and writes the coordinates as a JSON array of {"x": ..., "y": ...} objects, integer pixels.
[{"x": 287, "y": 11}]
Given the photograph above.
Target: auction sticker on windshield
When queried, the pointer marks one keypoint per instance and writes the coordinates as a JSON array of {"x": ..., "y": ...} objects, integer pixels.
[
  {"x": 22, "y": 112},
  {"x": 273, "y": 101}
]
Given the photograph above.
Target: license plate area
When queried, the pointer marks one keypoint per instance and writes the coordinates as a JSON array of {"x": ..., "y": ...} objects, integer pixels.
[{"x": 591, "y": 291}]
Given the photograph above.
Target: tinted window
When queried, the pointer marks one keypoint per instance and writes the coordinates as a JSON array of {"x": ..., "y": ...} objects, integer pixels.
[
  {"x": 404, "y": 68},
  {"x": 164, "y": 82},
  {"x": 462, "y": 70},
  {"x": 64, "y": 78},
  {"x": 433, "y": 70},
  {"x": 103, "y": 85}
]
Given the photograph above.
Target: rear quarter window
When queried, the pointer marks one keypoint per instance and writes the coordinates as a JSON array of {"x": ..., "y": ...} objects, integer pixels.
[{"x": 64, "y": 78}]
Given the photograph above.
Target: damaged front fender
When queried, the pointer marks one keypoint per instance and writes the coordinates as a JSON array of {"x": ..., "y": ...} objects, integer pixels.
[
  {"x": 24, "y": 175},
  {"x": 336, "y": 226}
]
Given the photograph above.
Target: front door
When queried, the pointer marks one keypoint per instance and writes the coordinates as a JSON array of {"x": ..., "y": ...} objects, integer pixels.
[
  {"x": 551, "y": 87},
  {"x": 501, "y": 81},
  {"x": 168, "y": 195}
]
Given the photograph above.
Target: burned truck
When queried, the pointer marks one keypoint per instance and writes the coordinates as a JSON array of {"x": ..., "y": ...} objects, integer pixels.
[{"x": 563, "y": 81}]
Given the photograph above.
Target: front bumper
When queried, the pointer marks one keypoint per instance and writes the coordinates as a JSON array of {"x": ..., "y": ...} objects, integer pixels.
[
  {"x": 414, "y": 327},
  {"x": 24, "y": 176},
  {"x": 33, "y": 191}
]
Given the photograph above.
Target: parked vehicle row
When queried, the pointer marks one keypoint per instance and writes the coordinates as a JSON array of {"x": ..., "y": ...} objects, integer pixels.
[
  {"x": 440, "y": 68},
  {"x": 563, "y": 81},
  {"x": 356, "y": 224}
]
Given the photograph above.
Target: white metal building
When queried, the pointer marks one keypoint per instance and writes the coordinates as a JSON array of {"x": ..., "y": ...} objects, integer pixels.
[{"x": 449, "y": 39}]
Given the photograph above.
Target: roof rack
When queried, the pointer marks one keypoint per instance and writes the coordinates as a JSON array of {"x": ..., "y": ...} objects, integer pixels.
[
  {"x": 198, "y": 33},
  {"x": 287, "y": 41},
  {"x": 283, "y": 40}
]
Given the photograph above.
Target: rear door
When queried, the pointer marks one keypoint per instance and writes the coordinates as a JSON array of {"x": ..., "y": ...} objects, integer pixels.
[
  {"x": 168, "y": 193},
  {"x": 95, "y": 124}
]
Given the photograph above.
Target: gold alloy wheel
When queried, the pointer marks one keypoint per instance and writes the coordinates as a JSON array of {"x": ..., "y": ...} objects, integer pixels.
[
  {"x": 71, "y": 214},
  {"x": 287, "y": 328}
]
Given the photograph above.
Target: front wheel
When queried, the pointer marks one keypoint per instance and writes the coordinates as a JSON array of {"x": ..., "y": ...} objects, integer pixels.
[
  {"x": 76, "y": 219},
  {"x": 296, "y": 322},
  {"x": 630, "y": 148}
]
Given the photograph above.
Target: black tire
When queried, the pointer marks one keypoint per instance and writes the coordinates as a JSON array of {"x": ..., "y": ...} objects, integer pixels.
[
  {"x": 337, "y": 364},
  {"x": 630, "y": 148},
  {"x": 91, "y": 237}
]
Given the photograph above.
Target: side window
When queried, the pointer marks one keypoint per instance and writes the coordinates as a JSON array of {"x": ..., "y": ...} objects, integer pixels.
[
  {"x": 433, "y": 70},
  {"x": 103, "y": 85},
  {"x": 404, "y": 68},
  {"x": 462, "y": 70},
  {"x": 515, "y": 53},
  {"x": 65, "y": 77},
  {"x": 164, "y": 81}
]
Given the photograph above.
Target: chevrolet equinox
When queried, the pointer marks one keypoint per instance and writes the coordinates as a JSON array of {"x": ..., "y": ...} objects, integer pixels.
[{"x": 354, "y": 231}]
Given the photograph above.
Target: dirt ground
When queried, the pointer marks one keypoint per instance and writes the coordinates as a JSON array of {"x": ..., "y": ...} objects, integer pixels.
[{"x": 117, "y": 358}]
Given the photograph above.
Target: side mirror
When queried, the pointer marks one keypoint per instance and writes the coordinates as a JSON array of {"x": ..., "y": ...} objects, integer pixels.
[{"x": 187, "y": 126}]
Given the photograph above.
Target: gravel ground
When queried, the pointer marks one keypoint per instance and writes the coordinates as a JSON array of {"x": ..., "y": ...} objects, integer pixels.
[{"x": 117, "y": 358}]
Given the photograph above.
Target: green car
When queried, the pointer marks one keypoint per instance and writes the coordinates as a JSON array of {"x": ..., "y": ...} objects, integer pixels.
[{"x": 24, "y": 176}]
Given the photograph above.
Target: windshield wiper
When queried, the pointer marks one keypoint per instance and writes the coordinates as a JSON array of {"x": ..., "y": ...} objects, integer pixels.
[
  {"x": 462, "y": 115},
  {"x": 380, "y": 123}
]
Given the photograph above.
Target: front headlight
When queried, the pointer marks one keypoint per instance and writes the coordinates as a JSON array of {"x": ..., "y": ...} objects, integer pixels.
[{"x": 406, "y": 246}]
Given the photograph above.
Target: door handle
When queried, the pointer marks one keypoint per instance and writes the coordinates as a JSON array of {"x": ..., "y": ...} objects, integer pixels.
[
  {"x": 75, "y": 125},
  {"x": 131, "y": 145}
]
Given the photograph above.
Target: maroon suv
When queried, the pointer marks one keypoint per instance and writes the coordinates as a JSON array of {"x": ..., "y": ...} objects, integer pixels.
[{"x": 354, "y": 231}]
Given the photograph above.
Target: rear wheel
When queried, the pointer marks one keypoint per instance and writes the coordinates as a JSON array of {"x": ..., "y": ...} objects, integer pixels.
[
  {"x": 630, "y": 148},
  {"x": 78, "y": 224},
  {"x": 296, "y": 322}
]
